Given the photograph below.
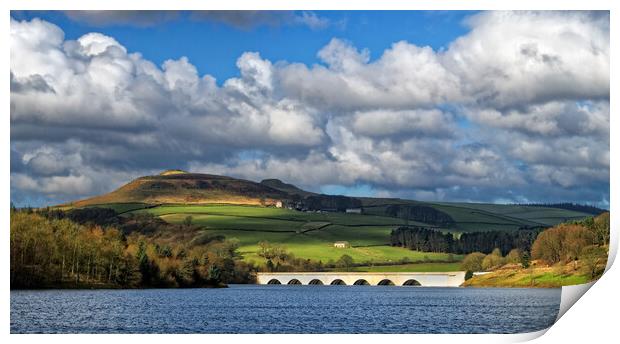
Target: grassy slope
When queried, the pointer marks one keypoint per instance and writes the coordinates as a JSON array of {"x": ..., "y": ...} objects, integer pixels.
[
  {"x": 508, "y": 215},
  {"x": 187, "y": 188},
  {"x": 471, "y": 217},
  {"x": 274, "y": 213},
  {"x": 175, "y": 186},
  {"x": 307, "y": 235},
  {"x": 416, "y": 267},
  {"x": 539, "y": 277},
  {"x": 311, "y": 235}
]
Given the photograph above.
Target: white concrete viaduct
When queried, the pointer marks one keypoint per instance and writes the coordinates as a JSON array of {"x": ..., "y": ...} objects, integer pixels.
[{"x": 424, "y": 279}]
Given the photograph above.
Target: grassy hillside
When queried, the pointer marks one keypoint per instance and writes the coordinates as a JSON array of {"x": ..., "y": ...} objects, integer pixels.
[
  {"x": 188, "y": 188},
  {"x": 311, "y": 235},
  {"x": 245, "y": 210},
  {"x": 307, "y": 235},
  {"x": 538, "y": 277},
  {"x": 531, "y": 215},
  {"x": 183, "y": 188},
  {"x": 414, "y": 267},
  {"x": 471, "y": 217}
]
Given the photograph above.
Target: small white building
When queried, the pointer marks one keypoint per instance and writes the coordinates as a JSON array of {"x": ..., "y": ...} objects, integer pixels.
[
  {"x": 279, "y": 204},
  {"x": 354, "y": 210},
  {"x": 342, "y": 244}
]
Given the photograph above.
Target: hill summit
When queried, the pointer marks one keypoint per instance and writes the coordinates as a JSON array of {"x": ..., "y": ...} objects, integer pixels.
[
  {"x": 178, "y": 186},
  {"x": 171, "y": 172}
]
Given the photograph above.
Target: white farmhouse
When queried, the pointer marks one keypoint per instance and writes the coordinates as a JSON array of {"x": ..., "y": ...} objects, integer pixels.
[{"x": 342, "y": 244}]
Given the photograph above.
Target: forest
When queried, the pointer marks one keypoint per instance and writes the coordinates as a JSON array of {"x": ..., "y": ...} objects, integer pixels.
[
  {"x": 432, "y": 240},
  {"x": 329, "y": 202},
  {"x": 51, "y": 249},
  {"x": 420, "y": 213}
]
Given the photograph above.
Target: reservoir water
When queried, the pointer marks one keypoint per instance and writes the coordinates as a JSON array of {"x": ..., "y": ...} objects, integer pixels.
[{"x": 285, "y": 309}]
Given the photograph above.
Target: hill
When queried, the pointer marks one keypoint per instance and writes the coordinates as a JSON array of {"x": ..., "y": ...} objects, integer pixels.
[
  {"x": 180, "y": 187},
  {"x": 308, "y": 224},
  {"x": 176, "y": 186}
]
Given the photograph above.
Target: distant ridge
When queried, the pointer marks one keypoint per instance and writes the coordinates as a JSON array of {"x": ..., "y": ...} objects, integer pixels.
[
  {"x": 584, "y": 208},
  {"x": 284, "y": 187}
]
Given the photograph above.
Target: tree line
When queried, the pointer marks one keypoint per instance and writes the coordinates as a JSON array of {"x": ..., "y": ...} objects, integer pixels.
[
  {"x": 432, "y": 240},
  {"x": 330, "y": 202},
  {"x": 584, "y": 208},
  {"x": 478, "y": 261}
]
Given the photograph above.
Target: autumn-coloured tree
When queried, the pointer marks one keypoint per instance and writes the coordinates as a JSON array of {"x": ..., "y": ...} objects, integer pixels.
[
  {"x": 473, "y": 262},
  {"x": 562, "y": 243},
  {"x": 576, "y": 238},
  {"x": 548, "y": 245},
  {"x": 514, "y": 256},
  {"x": 491, "y": 261}
]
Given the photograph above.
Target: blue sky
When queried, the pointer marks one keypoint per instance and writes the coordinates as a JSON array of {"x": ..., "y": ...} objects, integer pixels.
[
  {"x": 213, "y": 47},
  {"x": 428, "y": 105}
]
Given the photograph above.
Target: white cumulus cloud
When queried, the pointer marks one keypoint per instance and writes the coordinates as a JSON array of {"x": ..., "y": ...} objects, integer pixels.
[{"x": 515, "y": 109}]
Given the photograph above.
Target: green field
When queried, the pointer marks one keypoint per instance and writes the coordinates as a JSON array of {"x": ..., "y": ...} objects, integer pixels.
[
  {"x": 311, "y": 235},
  {"x": 307, "y": 235},
  {"x": 508, "y": 214},
  {"x": 416, "y": 267},
  {"x": 274, "y": 213},
  {"x": 474, "y": 217}
]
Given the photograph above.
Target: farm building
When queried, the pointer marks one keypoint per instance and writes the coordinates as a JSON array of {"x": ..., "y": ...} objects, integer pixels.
[
  {"x": 354, "y": 210},
  {"x": 342, "y": 244}
]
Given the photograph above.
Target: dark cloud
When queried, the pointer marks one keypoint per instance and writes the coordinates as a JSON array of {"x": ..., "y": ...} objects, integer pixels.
[
  {"x": 32, "y": 83},
  {"x": 245, "y": 19},
  {"x": 141, "y": 18},
  {"x": 241, "y": 19},
  {"x": 17, "y": 163}
]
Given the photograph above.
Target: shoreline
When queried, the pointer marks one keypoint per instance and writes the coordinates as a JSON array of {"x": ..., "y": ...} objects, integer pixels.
[
  {"x": 220, "y": 286},
  {"x": 271, "y": 286}
]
